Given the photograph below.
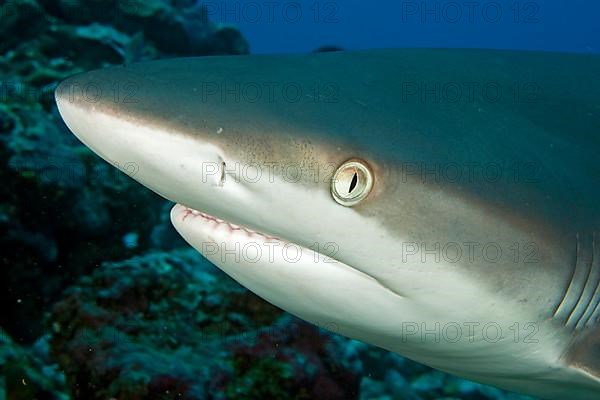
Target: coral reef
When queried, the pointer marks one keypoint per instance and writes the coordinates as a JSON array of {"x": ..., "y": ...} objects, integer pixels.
[
  {"x": 170, "y": 324},
  {"x": 63, "y": 210}
]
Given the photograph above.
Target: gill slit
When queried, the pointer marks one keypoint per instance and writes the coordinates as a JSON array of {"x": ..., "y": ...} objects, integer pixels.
[{"x": 580, "y": 302}]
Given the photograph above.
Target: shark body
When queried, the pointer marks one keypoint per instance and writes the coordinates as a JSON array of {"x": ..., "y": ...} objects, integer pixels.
[{"x": 474, "y": 251}]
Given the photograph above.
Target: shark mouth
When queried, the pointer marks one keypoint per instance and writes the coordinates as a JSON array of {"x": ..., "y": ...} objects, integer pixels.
[
  {"x": 206, "y": 232},
  {"x": 186, "y": 213}
]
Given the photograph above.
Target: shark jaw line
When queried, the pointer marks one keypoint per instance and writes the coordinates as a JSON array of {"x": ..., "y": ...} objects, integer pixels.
[
  {"x": 189, "y": 212},
  {"x": 189, "y": 215}
]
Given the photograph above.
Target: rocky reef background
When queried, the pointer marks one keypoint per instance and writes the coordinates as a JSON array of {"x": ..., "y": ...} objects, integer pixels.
[{"x": 100, "y": 297}]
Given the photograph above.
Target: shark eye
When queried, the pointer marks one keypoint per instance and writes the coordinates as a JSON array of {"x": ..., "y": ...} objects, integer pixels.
[{"x": 351, "y": 182}]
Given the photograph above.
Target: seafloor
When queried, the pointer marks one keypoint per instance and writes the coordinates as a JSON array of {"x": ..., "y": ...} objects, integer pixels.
[{"x": 101, "y": 299}]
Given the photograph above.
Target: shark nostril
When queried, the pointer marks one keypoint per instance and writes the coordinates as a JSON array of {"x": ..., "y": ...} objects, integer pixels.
[{"x": 223, "y": 166}]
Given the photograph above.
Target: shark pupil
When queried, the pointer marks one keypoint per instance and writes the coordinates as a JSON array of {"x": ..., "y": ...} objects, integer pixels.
[{"x": 353, "y": 183}]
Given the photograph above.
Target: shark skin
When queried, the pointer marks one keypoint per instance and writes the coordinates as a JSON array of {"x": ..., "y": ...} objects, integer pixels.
[{"x": 475, "y": 251}]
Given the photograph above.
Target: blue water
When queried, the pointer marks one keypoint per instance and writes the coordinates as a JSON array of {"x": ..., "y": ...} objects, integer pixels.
[{"x": 303, "y": 25}]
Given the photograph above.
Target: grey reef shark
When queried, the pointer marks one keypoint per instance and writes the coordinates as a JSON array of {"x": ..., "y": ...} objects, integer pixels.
[{"x": 441, "y": 204}]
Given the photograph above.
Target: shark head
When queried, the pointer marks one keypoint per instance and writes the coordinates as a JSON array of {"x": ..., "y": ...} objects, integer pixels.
[
  {"x": 322, "y": 186},
  {"x": 288, "y": 210}
]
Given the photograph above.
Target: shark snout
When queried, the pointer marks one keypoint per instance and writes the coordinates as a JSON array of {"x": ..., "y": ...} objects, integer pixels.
[
  {"x": 118, "y": 125},
  {"x": 116, "y": 90}
]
